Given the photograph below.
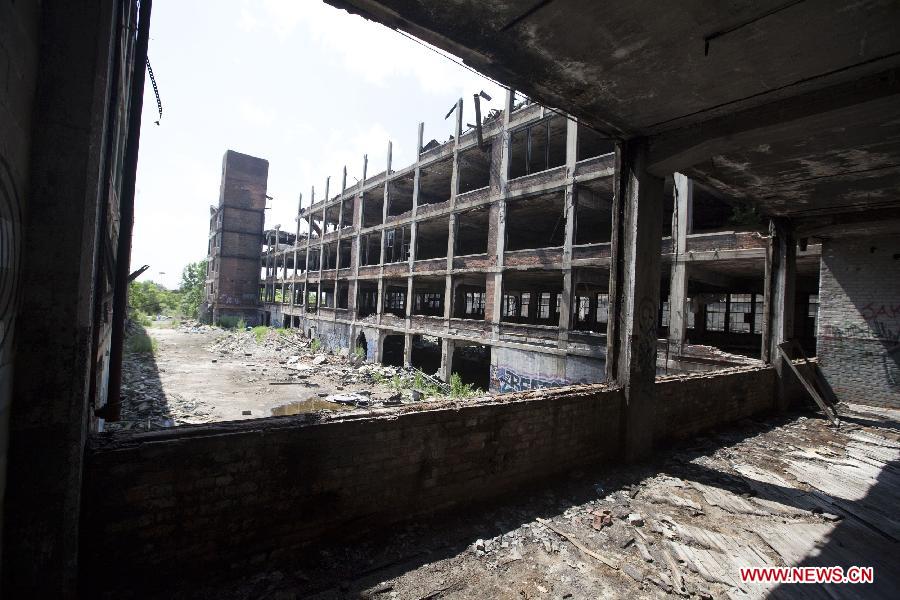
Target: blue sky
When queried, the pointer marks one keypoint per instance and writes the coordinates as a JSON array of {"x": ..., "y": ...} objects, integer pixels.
[{"x": 306, "y": 86}]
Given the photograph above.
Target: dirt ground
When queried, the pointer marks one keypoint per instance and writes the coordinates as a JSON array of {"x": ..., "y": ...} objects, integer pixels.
[{"x": 202, "y": 374}]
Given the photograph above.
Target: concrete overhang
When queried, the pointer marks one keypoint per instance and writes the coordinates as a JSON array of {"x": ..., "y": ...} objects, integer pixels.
[{"x": 791, "y": 104}]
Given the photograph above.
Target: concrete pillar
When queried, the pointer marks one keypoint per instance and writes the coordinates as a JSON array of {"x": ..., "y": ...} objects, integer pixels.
[
  {"x": 454, "y": 175},
  {"x": 407, "y": 350},
  {"x": 499, "y": 226},
  {"x": 447, "y": 359},
  {"x": 634, "y": 292},
  {"x": 565, "y": 307},
  {"x": 385, "y": 206},
  {"x": 780, "y": 293},
  {"x": 678, "y": 287},
  {"x": 448, "y": 284}
]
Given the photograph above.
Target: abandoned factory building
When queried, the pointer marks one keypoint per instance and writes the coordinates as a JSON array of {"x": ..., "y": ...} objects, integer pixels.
[
  {"x": 490, "y": 257},
  {"x": 691, "y": 226}
]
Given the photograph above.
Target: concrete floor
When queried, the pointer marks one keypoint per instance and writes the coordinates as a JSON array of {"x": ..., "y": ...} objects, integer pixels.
[{"x": 778, "y": 492}]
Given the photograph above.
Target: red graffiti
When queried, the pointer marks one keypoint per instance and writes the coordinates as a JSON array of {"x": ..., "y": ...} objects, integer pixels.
[{"x": 871, "y": 311}]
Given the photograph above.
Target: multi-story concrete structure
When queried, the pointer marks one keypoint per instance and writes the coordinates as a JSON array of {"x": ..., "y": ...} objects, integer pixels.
[
  {"x": 492, "y": 259},
  {"x": 235, "y": 235}
]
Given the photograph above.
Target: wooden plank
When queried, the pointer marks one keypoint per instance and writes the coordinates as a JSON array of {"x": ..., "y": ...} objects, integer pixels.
[{"x": 828, "y": 410}]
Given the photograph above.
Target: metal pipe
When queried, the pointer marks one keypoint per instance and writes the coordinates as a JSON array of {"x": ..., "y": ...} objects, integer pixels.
[{"x": 111, "y": 411}]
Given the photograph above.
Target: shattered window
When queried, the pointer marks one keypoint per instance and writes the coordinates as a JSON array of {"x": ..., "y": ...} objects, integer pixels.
[
  {"x": 544, "y": 306},
  {"x": 664, "y": 314},
  {"x": 474, "y": 303},
  {"x": 740, "y": 315},
  {"x": 715, "y": 314},
  {"x": 758, "y": 310},
  {"x": 510, "y": 305},
  {"x": 524, "y": 303},
  {"x": 602, "y": 308},
  {"x": 582, "y": 308}
]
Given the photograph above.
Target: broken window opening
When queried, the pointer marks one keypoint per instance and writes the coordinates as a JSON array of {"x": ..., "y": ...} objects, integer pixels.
[
  {"x": 373, "y": 206},
  {"x": 395, "y": 300},
  {"x": 593, "y": 212},
  {"x": 475, "y": 168},
  {"x": 592, "y": 144},
  {"x": 400, "y": 195},
  {"x": 472, "y": 231},
  {"x": 432, "y": 238},
  {"x": 538, "y": 147},
  {"x": 434, "y": 182},
  {"x": 396, "y": 245},
  {"x": 536, "y": 222}
]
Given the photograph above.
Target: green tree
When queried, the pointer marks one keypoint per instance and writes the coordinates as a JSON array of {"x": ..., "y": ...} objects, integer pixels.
[
  {"x": 193, "y": 282},
  {"x": 152, "y": 298}
]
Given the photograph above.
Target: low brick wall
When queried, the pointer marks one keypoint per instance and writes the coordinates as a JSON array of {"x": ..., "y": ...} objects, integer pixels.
[
  {"x": 197, "y": 499},
  {"x": 687, "y": 405},
  {"x": 200, "y": 499}
]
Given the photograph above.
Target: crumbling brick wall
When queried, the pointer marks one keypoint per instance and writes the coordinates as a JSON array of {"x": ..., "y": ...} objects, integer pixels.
[
  {"x": 196, "y": 499},
  {"x": 687, "y": 405},
  {"x": 859, "y": 319}
]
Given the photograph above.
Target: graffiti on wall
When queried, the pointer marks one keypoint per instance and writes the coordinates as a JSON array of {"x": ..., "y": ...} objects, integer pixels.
[
  {"x": 504, "y": 379},
  {"x": 882, "y": 324}
]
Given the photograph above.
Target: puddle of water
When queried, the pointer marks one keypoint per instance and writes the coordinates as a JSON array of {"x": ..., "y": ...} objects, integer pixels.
[{"x": 313, "y": 404}]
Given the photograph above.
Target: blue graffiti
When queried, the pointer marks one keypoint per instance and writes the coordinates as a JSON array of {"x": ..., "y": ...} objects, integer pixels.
[{"x": 504, "y": 379}]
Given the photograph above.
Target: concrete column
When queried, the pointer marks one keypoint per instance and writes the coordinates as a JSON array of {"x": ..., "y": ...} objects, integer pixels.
[
  {"x": 448, "y": 286},
  {"x": 678, "y": 287},
  {"x": 565, "y": 308},
  {"x": 780, "y": 292},
  {"x": 454, "y": 175},
  {"x": 500, "y": 224},
  {"x": 447, "y": 359},
  {"x": 385, "y": 206},
  {"x": 355, "y": 251},
  {"x": 407, "y": 350},
  {"x": 634, "y": 292}
]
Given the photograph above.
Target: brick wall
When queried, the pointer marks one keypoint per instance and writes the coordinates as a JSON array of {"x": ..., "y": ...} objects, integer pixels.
[
  {"x": 198, "y": 499},
  {"x": 195, "y": 499},
  {"x": 859, "y": 319},
  {"x": 687, "y": 405}
]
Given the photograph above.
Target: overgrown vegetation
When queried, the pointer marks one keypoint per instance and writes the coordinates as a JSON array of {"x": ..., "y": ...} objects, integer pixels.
[
  {"x": 193, "y": 281},
  {"x": 259, "y": 332},
  {"x": 458, "y": 389},
  {"x": 360, "y": 352},
  {"x": 141, "y": 343},
  {"x": 420, "y": 382},
  {"x": 232, "y": 323},
  {"x": 151, "y": 298},
  {"x": 315, "y": 345}
]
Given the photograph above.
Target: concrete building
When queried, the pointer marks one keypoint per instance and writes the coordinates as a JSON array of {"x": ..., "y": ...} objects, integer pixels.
[
  {"x": 235, "y": 236},
  {"x": 490, "y": 257},
  {"x": 791, "y": 108}
]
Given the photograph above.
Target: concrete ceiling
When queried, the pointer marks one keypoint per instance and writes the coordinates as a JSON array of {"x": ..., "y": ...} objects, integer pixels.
[{"x": 791, "y": 104}]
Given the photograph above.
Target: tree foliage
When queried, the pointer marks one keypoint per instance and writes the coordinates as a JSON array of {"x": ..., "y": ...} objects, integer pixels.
[
  {"x": 152, "y": 299},
  {"x": 193, "y": 282}
]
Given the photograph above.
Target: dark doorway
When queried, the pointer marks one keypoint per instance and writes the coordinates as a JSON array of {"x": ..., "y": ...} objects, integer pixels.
[
  {"x": 392, "y": 350},
  {"x": 473, "y": 364},
  {"x": 426, "y": 353}
]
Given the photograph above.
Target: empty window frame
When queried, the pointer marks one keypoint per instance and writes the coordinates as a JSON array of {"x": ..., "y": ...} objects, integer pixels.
[
  {"x": 602, "y": 308},
  {"x": 474, "y": 306},
  {"x": 812, "y": 311},
  {"x": 664, "y": 314},
  {"x": 538, "y": 147},
  {"x": 395, "y": 300},
  {"x": 715, "y": 314},
  {"x": 740, "y": 313},
  {"x": 429, "y": 303},
  {"x": 396, "y": 245}
]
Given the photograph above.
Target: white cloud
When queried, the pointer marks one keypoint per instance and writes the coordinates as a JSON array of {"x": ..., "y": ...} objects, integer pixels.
[{"x": 255, "y": 115}]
